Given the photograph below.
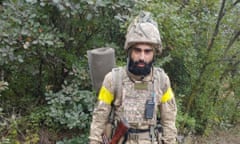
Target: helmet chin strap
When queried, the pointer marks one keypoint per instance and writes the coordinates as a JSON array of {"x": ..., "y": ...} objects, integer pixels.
[{"x": 128, "y": 56}]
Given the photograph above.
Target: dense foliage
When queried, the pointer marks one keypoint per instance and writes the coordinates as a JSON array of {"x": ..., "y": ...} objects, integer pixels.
[{"x": 45, "y": 88}]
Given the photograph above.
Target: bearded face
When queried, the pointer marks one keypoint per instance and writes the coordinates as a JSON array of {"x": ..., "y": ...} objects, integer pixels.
[
  {"x": 139, "y": 67},
  {"x": 140, "y": 59}
]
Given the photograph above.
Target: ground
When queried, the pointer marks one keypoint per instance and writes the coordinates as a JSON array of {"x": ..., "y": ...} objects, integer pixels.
[{"x": 223, "y": 136}]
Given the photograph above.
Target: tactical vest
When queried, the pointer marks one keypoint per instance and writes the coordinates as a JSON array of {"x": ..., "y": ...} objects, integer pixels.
[{"x": 130, "y": 98}]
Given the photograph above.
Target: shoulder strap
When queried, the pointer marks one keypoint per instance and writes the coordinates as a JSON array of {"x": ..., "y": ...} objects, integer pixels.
[
  {"x": 117, "y": 82},
  {"x": 159, "y": 77},
  {"x": 117, "y": 86}
]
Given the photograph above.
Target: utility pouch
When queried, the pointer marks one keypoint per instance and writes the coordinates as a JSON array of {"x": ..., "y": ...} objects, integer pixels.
[
  {"x": 159, "y": 132},
  {"x": 149, "y": 109}
]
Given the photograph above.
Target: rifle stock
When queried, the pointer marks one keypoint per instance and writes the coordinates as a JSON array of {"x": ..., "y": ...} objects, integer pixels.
[{"x": 121, "y": 130}]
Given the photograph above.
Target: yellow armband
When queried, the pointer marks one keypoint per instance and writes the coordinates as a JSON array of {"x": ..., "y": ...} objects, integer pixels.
[
  {"x": 105, "y": 95},
  {"x": 168, "y": 95}
]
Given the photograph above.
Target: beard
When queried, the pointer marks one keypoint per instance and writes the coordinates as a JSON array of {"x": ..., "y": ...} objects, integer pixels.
[{"x": 139, "y": 71}]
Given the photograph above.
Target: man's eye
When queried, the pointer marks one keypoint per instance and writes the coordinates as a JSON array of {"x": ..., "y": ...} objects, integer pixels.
[
  {"x": 148, "y": 50},
  {"x": 138, "y": 50}
]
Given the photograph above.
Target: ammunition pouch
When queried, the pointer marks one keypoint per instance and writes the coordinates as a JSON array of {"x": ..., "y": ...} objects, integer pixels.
[
  {"x": 140, "y": 134},
  {"x": 135, "y": 134}
]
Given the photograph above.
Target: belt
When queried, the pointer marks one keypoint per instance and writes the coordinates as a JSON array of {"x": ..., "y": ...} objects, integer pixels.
[{"x": 131, "y": 130}]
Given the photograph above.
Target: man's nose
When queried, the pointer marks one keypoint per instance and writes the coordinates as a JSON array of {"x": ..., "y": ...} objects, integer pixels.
[{"x": 142, "y": 55}]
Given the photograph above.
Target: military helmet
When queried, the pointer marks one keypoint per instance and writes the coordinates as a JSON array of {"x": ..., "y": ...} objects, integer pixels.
[{"x": 143, "y": 30}]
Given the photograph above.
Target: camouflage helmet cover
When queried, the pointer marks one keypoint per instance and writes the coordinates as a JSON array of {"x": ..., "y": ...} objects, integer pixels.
[{"x": 143, "y": 30}]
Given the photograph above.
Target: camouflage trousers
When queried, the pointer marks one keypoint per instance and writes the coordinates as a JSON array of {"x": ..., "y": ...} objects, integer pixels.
[{"x": 140, "y": 138}]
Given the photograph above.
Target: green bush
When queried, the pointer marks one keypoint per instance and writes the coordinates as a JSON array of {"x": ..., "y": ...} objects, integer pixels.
[{"x": 72, "y": 106}]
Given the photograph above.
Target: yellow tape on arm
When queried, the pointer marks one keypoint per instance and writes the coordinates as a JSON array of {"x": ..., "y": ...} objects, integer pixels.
[
  {"x": 168, "y": 95},
  {"x": 105, "y": 95}
]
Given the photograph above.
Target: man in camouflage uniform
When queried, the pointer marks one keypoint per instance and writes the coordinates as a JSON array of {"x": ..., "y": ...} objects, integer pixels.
[{"x": 140, "y": 83}]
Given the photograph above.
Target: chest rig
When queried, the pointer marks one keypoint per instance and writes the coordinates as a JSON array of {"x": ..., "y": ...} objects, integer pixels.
[
  {"x": 136, "y": 98},
  {"x": 136, "y": 101}
]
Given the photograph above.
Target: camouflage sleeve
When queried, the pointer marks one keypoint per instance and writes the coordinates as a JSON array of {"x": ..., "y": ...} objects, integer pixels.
[
  {"x": 168, "y": 111},
  {"x": 101, "y": 111}
]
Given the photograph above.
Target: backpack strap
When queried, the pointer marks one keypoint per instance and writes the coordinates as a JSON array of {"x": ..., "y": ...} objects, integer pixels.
[
  {"x": 159, "y": 77},
  {"x": 117, "y": 83},
  {"x": 117, "y": 86}
]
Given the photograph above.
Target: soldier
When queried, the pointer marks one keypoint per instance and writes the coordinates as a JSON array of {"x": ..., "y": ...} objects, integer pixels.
[{"x": 138, "y": 92}]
